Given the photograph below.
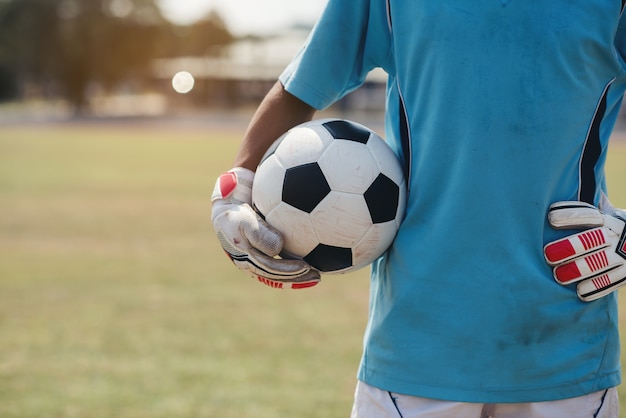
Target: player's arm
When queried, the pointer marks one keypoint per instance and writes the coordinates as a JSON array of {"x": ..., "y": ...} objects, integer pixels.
[
  {"x": 278, "y": 112},
  {"x": 594, "y": 258},
  {"x": 247, "y": 239}
]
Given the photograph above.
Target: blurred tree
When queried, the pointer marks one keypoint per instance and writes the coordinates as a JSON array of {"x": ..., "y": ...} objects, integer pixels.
[
  {"x": 205, "y": 37},
  {"x": 68, "y": 45}
]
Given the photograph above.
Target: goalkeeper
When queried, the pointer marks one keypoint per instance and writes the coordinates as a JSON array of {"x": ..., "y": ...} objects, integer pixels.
[{"x": 497, "y": 297}]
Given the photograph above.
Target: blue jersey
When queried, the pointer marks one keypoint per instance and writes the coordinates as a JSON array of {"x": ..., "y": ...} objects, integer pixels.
[{"x": 497, "y": 108}]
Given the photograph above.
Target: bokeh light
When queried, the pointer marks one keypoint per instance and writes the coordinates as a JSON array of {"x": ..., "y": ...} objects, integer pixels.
[{"x": 183, "y": 82}]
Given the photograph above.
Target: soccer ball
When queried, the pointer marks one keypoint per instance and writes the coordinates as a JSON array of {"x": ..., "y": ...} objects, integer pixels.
[{"x": 336, "y": 192}]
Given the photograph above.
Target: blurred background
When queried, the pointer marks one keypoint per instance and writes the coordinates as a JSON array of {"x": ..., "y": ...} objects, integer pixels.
[
  {"x": 103, "y": 58},
  {"x": 116, "y": 300}
]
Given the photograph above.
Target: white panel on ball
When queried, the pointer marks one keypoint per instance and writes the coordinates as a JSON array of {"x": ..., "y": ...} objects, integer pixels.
[
  {"x": 377, "y": 239},
  {"x": 302, "y": 146},
  {"x": 341, "y": 219},
  {"x": 348, "y": 166},
  {"x": 265, "y": 194},
  {"x": 296, "y": 227}
]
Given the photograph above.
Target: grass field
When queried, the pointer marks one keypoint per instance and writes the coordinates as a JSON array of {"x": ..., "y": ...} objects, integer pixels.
[{"x": 116, "y": 300}]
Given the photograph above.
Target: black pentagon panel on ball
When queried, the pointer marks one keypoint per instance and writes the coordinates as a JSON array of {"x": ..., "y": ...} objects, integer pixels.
[
  {"x": 305, "y": 186},
  {"x": 327, "y": 258},
  {"x": 343, "y": 129},
  {"x": 382, "y": 199}
]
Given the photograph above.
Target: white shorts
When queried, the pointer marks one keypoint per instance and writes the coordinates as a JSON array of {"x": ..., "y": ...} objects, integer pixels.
[{"x": 371, "y": 402}]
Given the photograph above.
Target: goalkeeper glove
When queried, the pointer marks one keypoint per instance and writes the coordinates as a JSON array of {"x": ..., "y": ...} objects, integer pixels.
[
  {"x": 248, "y": 240},
  {"x": 594, "y": 258}
]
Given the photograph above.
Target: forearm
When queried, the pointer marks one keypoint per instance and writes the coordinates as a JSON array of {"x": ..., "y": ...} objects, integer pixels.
[{"x": 278, "y": 112}]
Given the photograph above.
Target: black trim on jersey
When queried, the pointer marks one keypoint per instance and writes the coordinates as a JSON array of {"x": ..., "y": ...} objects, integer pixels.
[
  {"x": 388, "y": 7},
  {"x": 591, "y": 154},
  {"x": 405, "y": 140},
  {"x": 405, "y": 133}
]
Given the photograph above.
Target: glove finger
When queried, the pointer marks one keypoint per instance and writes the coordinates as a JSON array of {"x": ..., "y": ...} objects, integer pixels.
[
  {"x": 279, "y": 268},
  {"x": 600, "y": 286},
  {"x": 263, "y": 237},
  {"x": 567, "y": 215},
  {"x": 576, "y": 245},
  {"x": 239, "y": 228},
  {"x": 262, "y": 265},
  {"x": 592, "y": 265}
]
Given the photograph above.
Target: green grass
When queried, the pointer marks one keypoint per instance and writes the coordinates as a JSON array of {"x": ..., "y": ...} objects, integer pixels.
[{"x": 116, "y": 300}]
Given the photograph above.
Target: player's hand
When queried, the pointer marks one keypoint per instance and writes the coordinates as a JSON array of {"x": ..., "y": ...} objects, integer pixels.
[
  {"x": 594, "y": 258},
  {"x": 251, "y": 243}
]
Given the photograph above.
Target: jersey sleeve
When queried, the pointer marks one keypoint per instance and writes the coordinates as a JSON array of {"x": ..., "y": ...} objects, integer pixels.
[{"x": 350, "y": 39}]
